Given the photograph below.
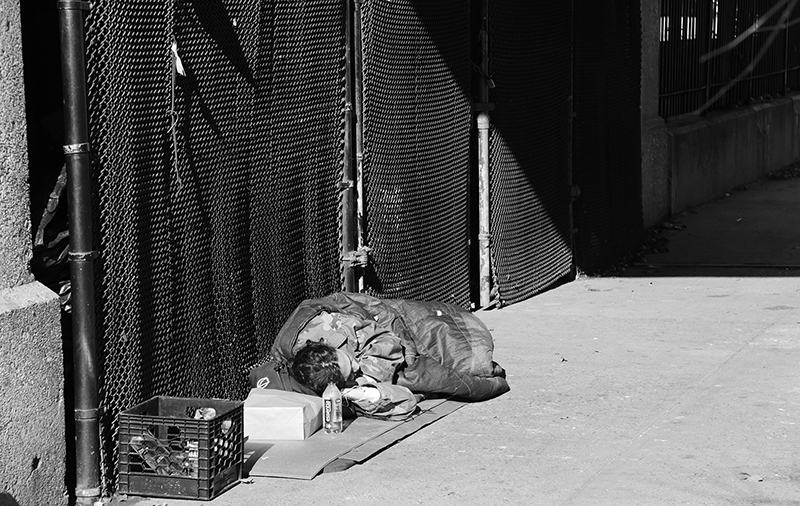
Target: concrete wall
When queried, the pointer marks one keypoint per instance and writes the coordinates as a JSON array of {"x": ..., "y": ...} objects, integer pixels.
[
  {"x": 32, "y": 439},
  {"x": 655, "y": 167},
  {"x": 709, "y": 156},
  {"x": 15, "y": 243},
  {"x": 32, "y": 387}
]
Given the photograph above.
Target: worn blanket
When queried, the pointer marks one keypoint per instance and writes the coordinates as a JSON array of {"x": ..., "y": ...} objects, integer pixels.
[{"x": 454, "y": 348}]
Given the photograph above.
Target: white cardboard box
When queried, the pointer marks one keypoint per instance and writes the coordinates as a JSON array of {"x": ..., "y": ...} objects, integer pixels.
[{"x": 271, "y": 414}]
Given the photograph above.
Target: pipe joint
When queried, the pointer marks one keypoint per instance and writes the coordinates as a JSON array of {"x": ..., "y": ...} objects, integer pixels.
[
  {"x": 483, "y": 121},
  {"x": 83, "y": 256},
  {"x": 76, "y": 149},
  {"x": 74, "y": 5},
  {"x": 88, "y": 414},
  {"x": 88, "y": 492}
]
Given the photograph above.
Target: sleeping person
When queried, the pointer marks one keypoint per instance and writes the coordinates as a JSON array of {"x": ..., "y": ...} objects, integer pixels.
[
  {"x": 384, "y": 354},
  {"x": 359, "y": 357}
]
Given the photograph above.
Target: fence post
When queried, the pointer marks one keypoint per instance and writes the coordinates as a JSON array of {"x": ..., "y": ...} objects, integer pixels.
[
  {"x": 483, "y": 121},
  {"x": 347, "y": 185}
]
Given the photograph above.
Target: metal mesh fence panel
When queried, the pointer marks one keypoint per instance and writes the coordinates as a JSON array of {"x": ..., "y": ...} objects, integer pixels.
[
  {"x": 606, "y": 133},
  {"x": 217, "y": 199},
  {"x": 416, "y": 75},
  {"x": 531, "y": 67}
]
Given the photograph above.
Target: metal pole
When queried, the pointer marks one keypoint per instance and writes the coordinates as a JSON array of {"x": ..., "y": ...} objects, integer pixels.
[
  {"x": 709, "y": 26},
  {"x": 81, "y": 254},
  {"x": 359, "y": 130},
  {"x": 483, "y": 210},
  {"x": 484, "y": 233},
  {"x": 786, "y": 51},
  {"x": 750, "y": 64},
  {"x": 349, "y": 225}
]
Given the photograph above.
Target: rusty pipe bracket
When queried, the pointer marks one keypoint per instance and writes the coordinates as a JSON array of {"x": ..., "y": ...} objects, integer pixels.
[
  {"x": 345, "y": 184},
  {"x": 359, "y": 257}
]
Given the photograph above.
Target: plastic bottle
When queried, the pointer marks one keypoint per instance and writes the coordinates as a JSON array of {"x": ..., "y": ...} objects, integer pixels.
[{"x": 332, "y": 409}]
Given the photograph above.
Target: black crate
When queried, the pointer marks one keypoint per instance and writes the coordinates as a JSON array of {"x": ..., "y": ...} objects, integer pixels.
[{"x": 164, "y": 451}]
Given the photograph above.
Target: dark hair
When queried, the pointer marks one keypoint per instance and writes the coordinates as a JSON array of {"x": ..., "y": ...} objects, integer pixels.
[{"x": 315, "y": 365}]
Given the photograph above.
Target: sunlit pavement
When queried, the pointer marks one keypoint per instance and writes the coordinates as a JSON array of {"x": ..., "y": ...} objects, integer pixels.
[{"x": 675, "y": 382}]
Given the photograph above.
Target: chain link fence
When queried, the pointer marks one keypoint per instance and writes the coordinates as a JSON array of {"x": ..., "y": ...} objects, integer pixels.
[
  {"x": 531, "y": 70},
  {"x": 218, "y": 129},
  {"x": 606, "y": 164},
  {"x": 417, "y": 113},
  {"x": 217, "y": 133}
]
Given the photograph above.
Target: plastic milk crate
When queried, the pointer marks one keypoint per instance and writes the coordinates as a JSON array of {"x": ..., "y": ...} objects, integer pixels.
[{"x": 167, "y": 448}]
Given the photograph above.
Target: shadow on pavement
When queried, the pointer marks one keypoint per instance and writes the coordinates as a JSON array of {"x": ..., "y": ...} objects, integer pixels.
[
  {"x": 752, "y": 231},
  {"x": 7, "y": 500}
]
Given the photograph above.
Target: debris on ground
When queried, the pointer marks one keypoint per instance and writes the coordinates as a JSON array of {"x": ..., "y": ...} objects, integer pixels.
[
  {"x": 671, "y": 225},
  {"x": 790, "y": 172},
  {"x": 656, "y": 240},
  {"x": 750, "y": 477}
]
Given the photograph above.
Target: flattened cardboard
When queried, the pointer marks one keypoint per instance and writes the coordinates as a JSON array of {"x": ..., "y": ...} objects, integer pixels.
[{"x": 362, "y": 437}]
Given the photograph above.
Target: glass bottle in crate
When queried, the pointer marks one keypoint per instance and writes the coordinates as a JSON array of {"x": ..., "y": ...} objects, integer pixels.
[{"x": 192, "y": 462}]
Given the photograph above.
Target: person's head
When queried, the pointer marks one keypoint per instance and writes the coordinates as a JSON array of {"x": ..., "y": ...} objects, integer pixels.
[{"x": 317, "y": 364}]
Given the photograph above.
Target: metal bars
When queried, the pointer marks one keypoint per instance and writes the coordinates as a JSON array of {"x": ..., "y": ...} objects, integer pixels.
[{"x": 717, "y": 54}]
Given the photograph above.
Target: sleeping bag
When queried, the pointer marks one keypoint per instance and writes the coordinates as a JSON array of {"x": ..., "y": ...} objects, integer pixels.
[{"x": 451, "y": 349}]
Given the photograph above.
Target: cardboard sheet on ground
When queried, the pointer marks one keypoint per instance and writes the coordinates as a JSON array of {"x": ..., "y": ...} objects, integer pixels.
[{"x": 361, "y": 438}]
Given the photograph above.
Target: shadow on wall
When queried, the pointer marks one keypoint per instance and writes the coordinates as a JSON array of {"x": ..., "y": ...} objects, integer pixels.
[{"x": 7, "y": 500}]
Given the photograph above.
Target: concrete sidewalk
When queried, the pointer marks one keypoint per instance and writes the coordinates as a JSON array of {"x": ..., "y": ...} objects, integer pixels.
[{"x": 676, "y": 383}]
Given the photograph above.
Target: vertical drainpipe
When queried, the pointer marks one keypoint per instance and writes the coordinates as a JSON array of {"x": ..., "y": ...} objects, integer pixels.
[
  {"x": 81, "y": 252},
  {"x": 347, "y": 186},
  {"x": 484, "y": 235}
]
